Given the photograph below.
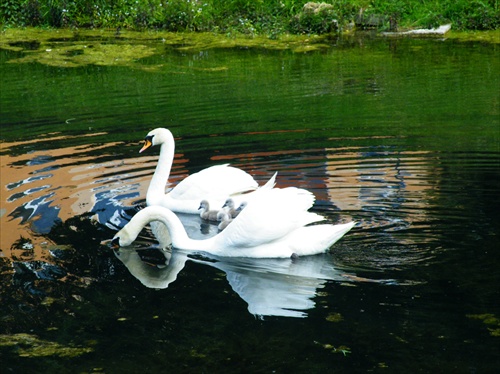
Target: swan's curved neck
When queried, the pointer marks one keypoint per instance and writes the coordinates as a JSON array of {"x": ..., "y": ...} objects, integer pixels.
[
  {"x": 156, "y": 189},
  {"x": 178, "y": 234}
]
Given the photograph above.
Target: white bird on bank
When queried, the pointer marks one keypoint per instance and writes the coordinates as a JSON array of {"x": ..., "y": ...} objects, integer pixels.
[
  {"x": 273, "y": 224},
  {"x": 214, "y": 184}
]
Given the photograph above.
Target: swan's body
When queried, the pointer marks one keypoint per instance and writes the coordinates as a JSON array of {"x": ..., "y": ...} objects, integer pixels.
[
  {"x": 206, "y": 213},
  {"x": 225, "y": 219},
  {"x": 272, "y": 225},
  {"x": 214, "y": 184},
  {"x": 161, "y": 233}
]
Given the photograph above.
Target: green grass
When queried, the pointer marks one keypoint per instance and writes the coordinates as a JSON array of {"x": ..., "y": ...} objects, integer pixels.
[{"x": 264, "y": 17}]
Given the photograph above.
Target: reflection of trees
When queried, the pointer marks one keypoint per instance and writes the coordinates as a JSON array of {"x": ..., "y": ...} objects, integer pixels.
[
  {"x": 58, "y": 180},
  {"x": 381, "y": 178},
  {"x": 390, "y": 193}
]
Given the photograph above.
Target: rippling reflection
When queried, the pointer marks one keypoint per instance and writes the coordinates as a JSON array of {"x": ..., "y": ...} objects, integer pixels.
[
  {"x": 270, "y": 287},
  {"x": 45, "y": 187}
]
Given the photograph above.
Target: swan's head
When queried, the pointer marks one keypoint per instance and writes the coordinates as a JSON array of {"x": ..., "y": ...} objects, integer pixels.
[
  {"x": 122, "y": 239},
  {"x": 156, "y": 137},
  {"x": 242, "y": 206}
]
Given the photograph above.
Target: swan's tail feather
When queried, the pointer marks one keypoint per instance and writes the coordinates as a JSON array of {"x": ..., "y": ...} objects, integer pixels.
[
  {"x": 340, "y": 231},
  {"x": 267, "y": 186},
  {"x": 316, "y": 239},
  {"x": 271, "y": 182}
]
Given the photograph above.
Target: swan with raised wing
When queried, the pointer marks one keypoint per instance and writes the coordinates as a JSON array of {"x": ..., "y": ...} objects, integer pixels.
[
  {"x": 275, "y": 223},
  {"x": 215, "y": 183}
]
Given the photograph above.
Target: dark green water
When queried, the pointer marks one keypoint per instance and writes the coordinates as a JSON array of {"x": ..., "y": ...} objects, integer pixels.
[{"x": 399, "y": 135}]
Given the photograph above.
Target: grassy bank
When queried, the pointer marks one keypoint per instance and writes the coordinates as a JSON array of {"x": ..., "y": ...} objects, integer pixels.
[{"x": 269, "y": 17}]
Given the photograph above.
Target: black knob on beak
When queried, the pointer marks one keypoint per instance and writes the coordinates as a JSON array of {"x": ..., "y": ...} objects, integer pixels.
[{"x": 115, "y": 243}]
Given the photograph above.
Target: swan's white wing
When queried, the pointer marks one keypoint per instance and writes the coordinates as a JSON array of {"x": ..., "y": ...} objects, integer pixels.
[
  {"x": 215, "y": 182},
  {"x": 315, "y": 239},
  {"x": 269, "y": 216},
  {"x": 238, "y": 199}
]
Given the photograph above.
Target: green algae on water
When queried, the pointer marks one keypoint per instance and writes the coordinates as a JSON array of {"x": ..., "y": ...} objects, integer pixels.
[
  {"x": 70, "y": 49},
  {"x": 103, "y": 47},
  {"x": 32, "y": 346},
  {"x": 489, "y": 320}
]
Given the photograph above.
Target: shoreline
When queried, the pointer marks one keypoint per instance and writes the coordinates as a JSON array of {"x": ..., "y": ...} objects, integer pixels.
[
  {"x": 271, "y": 18},
  {"x": 10, "y": 36}
]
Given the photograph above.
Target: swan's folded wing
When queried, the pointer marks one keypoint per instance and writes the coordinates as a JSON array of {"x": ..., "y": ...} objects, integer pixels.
[
  {"x": 271, "y": 216},
  {"x": 216, "y": 182}
]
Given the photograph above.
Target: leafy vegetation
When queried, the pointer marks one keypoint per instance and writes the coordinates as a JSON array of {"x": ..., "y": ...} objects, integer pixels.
[{"x": 270, "y": 17}]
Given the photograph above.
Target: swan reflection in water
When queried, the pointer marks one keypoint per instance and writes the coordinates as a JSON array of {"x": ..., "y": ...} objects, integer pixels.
[{"x": 270, "y": 286}]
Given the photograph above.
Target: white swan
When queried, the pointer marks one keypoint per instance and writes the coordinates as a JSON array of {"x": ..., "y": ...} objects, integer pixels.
[
  {"x": 215, "y": 183},
  {"x": 273, "y": 224}
]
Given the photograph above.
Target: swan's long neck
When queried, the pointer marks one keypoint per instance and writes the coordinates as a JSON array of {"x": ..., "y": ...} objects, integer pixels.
[
  {"x": 178, "y": 234},
  {"x": 156, "y": 190}
]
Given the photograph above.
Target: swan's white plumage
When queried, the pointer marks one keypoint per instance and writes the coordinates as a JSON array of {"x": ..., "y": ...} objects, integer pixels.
[
  {"x": 271, "y": 225},
  {"x": 271, "y": 216},
  {"x": 161, "y": 233},
  {"x": 214, "y": 184}
]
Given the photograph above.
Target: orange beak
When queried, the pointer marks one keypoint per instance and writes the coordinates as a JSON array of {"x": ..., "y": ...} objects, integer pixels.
[{"x": 147, "y": 144}]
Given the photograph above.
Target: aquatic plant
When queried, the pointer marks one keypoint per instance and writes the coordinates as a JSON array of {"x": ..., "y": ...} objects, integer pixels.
[
  {"x": 104, "y": 48},
  {"x": 29, "y": 345},
  {"x": 490, "y": 320}
]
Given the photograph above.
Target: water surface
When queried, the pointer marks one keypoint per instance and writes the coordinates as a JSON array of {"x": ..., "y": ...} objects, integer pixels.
[{"x": 401, "y": 136}]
